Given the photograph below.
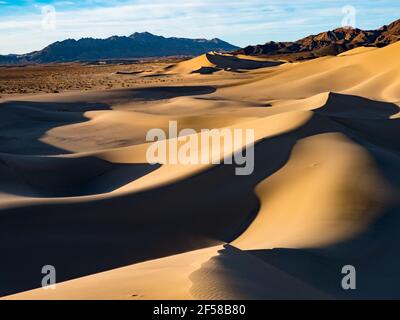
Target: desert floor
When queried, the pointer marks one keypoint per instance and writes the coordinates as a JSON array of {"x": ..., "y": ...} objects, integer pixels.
[
  {"x": 77, "y": 193},
  {"x": 99, "y": 75}
]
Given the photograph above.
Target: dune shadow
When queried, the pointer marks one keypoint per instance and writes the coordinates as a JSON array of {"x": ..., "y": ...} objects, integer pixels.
[
  {"x": 207, "y": 70},
  {"x": 27, "y": 167},
  {"x": 234, "y": 274},
  {"x": 128, "y": 73},
  {"x": 88, "y": 237},
  {"x": 23, "y": 123},
  {"x": 53, "y": 177},
  {"x": 160, "y": 93},
  {"x": 355, "y": 107},
  {"x": 152, "y": 93},
  {"x": 374, "y": 252},
  {"x": 235, "y": 63},
  {"x": 157, "y": 75}
]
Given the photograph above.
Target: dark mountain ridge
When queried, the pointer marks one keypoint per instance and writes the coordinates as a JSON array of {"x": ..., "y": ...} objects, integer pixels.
[
  {"x": 137, "y": 45},
  {"x": 327, "y": 43}
]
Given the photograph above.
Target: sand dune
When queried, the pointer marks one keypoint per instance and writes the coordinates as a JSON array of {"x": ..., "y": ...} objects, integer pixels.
[
  {"x": 356, "y": 51},
  {"x": 373, "y": 74},
  {"x": 212, "y": 62},
  {"x": 76, "y": 191}
]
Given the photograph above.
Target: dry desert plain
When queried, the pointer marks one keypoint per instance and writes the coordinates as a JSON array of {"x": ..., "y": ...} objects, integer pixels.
[{"x": 77, "y": 193}]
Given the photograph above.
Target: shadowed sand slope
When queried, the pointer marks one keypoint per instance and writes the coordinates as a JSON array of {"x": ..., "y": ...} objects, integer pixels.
[{"x": 324, "y": 192}]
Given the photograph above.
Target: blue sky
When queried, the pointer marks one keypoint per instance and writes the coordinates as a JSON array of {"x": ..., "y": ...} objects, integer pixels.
[{"x": 28, "y": 25}]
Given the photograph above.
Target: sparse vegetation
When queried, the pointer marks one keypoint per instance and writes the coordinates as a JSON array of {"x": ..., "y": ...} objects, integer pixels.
[{"x": 55, "y": 78}]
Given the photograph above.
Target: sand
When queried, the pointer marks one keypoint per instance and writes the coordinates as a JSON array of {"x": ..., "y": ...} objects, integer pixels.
[{"x": 77, "y": 192}]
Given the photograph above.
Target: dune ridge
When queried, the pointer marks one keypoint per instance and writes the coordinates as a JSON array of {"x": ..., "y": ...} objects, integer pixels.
[{"x": 212, "y": 62}]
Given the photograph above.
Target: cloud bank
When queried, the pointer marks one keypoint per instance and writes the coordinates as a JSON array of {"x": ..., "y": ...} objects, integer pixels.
[{"x": 239, "y": 22}]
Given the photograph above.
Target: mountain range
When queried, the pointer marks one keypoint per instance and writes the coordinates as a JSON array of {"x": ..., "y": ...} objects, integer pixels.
[
  {"x": 145, "y": 45},
  {"x": 327, "y": 43},
  {"x": 137, "y": 45}
]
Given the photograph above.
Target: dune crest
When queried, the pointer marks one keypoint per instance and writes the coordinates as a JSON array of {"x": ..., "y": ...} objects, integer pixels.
[{"x": 213, "y": 62}]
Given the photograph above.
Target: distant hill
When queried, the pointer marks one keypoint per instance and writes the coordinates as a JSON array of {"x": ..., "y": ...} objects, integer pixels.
[
  {"x": 327, "y": 43},
  {"x": 137, "y": 45}
]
